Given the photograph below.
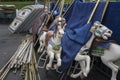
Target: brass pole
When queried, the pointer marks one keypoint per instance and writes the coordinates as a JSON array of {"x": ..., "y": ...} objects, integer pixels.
[
  {"x": 105, "y": 8},
  {"x": 96, "y": 5}
]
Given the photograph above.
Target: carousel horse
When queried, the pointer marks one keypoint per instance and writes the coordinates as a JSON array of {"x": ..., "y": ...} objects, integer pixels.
[
  {"x": 100, "y": 31},
  {"x": 45, "y": 33},
  {"x": 51, "y": 40}
]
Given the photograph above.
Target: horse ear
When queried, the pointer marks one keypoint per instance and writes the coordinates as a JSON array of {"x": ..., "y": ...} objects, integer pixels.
[
  {"x": 59, "y": 18},
  {"x": 95, "y": 26},
  {"x": 64, "y": 25},
  {"x": 97, "y": 23}
]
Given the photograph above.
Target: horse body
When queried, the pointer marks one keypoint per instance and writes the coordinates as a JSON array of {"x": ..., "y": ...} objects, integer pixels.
[
  {"x": 114, "y": 54},
  {"x": 110, "y": 55},
  {"x": 98, "y": 30},
  {"x": 51, "y": 40},
  {"x": 51, "y": 51},
  {"x": 43, "y": 40}
]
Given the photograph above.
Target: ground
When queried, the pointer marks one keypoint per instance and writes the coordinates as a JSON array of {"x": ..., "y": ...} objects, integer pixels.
[{"x": 9, "y": 43}]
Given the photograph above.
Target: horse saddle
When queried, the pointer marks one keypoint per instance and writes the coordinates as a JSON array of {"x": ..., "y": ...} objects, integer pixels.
[{"x": 99, "y": 45}]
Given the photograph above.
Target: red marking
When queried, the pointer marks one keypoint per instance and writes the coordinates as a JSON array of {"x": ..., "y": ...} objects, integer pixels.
[{"x": 48, "y": 36}]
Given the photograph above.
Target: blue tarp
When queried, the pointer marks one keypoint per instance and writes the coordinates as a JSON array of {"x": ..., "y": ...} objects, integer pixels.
[
  {"x": 57, "y": 10},
  {"x": 112, "y": 20},
  {"x": 77, "y": 30}
]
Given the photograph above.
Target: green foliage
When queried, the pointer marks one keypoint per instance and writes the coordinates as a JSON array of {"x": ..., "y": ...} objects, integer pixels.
[{"x": 17, "y": 4}]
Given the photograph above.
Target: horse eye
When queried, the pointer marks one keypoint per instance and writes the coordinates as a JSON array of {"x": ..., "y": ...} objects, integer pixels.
[
  {"x": 59, "y": 33},
  {"x": 109, "y": 32},
  {"x": 100, "y": 26}
]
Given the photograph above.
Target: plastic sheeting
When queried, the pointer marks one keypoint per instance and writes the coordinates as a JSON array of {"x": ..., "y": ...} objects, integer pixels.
[{"x": 77, "y": 30}]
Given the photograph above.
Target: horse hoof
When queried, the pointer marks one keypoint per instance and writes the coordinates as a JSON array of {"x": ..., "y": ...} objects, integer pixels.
[
  {"x": 55, "y": 66},
  {"x": 59, "y": 64},
  {"x": 73, "y": 76},
  {"x": 38, "y": 51},
  {"x": 48, "y": 67},
  {"x": 113, "y": 79},
  {"x": 82, "y": 76},
  {"x": 85, "y": 75},
  {"x": 87, "y": 71},
  {"x": 60, "y": 72}
]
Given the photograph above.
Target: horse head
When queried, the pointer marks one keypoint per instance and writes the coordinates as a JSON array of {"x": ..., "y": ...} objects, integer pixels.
[
  {"x": 59, "y": 20},
  {"x": 101, "y": 31},
  {"x": 60, "y": 26}
]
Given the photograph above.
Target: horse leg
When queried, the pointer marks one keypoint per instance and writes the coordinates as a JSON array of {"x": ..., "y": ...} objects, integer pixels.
[
  {"x": 114, "y": 73},
  {"x": 42, "y": 42},
  {"x": 84, "y": 61},
  {"x": 58, "y": 57},
  {"x": 85, "y": 58},
  {"x": 41, "y": 47},
  {"x": 51, "y": 58},
  {"x": 82, "y": 66},
  {"x": 76, "y": 75},
  {"x": 87, "y": 70},
  {"x": 112, "y": 66}
]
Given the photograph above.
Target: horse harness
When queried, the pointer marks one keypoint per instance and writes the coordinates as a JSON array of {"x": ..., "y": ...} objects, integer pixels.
[{"x": 54, "y": 46}]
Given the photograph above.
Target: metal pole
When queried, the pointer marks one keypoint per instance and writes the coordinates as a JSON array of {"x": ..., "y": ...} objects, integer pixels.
[
  {"x": 93, "y": 11},
  {"x": 105, "y": 8},
  {"x": 36, "y": 1}
]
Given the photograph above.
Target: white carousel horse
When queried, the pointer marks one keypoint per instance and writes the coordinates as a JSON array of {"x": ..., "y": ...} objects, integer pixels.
[
  {"x": 44, "y": 34},
  {"x": 54, "y": 49},
  {"x": 52, "y": 41},
  {"x": 98, "y": 30}
]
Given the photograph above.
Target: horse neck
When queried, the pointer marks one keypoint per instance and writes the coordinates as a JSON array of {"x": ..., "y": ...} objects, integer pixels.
[
  {"x": 56, "y": 39},
  {"x": 89, "y": 43}
]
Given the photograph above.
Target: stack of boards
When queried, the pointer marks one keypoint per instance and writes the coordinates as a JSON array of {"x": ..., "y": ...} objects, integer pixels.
[
  {"x": 25, "y": 18},
  {"x": 7, "y": 8}
]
